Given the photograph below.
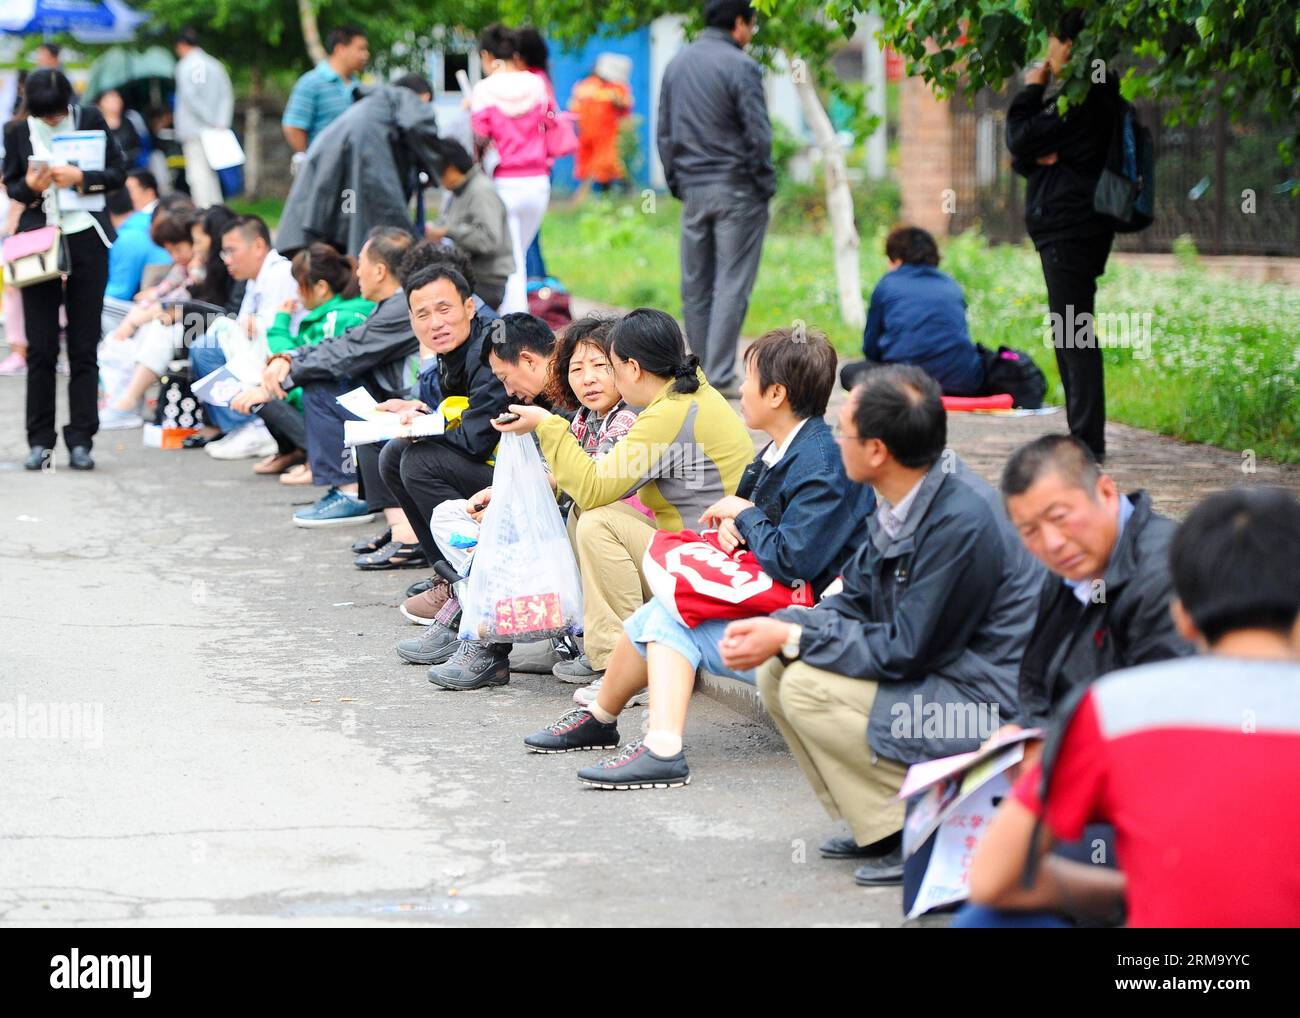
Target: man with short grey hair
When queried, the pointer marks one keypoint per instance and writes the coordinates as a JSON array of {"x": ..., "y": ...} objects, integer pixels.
[
  {"x": 1106, "y": 604},
  {"x": 931, "y": 621}
]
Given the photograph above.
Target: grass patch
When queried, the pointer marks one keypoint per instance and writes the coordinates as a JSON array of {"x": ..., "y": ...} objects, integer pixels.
[
  {"x": 270, "y": 209},
  {"x": 1210, "y": 359}
]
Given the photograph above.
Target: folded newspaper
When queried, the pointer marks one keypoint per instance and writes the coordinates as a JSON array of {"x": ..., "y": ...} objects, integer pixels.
[
  {"x": 221, "y": 386},
  {"x": 955, "y": 799},
  {"x": 380, "y": 425}
]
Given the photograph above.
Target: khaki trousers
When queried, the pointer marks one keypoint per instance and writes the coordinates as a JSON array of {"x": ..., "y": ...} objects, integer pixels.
[
  {"x": 609, "y": 542},
  {"x": 823, "y": 717},
  {"x": 205, "y": 186}
]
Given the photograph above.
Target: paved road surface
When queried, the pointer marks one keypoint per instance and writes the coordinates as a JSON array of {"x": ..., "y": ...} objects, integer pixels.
[
  {"x": 263, "y": 756},
  {"x": 253, "y": 751}
]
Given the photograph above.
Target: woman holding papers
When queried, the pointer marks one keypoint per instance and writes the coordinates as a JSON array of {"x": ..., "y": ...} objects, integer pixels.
[{"x": 58, "y": 162}]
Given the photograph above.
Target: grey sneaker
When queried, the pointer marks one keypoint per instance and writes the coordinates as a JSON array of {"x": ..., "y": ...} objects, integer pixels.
[
  {"x": 634, "y": 767},
  {"x": 586, "y": 696},
  {"x": 432, "y": 647},
  {"x": 475, "y": 664},
  {"x": 578, "y": 671},
  {"x": 576, "y": 730}
]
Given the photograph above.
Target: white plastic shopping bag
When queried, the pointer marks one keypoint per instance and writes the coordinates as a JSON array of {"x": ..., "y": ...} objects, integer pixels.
[
  {"x": 221, "y": 148},
  {"x": 524, "y": 584}
]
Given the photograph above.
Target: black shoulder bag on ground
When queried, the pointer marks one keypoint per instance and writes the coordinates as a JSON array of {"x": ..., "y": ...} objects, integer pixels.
[{"x": 1013, "y": 371}]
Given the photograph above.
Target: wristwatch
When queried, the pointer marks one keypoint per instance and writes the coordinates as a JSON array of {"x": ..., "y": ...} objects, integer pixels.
[{"x": 790, "y": 649}]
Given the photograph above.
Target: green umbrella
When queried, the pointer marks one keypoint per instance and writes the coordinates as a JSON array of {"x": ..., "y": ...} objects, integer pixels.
[{"x": 119, "y": 66}]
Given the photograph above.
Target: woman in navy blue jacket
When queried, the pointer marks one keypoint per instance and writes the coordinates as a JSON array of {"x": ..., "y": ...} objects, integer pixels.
[
  {"x": 795, "y": 509},
  {"x": 918, "y": 316}
]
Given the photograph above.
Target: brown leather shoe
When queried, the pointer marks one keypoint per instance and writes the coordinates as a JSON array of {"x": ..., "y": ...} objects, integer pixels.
[
  {"x": 279, "y": 462},
  {"x": 301, "y": 474},
  {"x": 424, "y": 606}
]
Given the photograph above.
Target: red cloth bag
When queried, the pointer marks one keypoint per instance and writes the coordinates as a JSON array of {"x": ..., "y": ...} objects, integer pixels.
[{"x": 696, "y": 580}]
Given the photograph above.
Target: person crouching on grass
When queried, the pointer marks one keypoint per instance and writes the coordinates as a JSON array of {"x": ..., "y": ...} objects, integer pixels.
[{"x": 795, "y": 509}]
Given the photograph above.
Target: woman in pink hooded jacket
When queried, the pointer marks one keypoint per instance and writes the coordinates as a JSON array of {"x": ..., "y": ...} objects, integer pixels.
[{"x": 509, "y": 109}]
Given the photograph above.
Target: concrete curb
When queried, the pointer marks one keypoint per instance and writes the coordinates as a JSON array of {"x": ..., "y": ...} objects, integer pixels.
[{"x": 739, "y": 696}]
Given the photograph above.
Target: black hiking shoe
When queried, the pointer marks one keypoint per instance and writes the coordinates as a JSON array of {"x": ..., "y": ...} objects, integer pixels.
[{"x": 577, "y": 729}]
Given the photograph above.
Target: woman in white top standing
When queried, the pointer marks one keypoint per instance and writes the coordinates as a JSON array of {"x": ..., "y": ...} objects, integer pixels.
[
  {"x": 509, "y": 109},
  {"x": 33, "y": 178}
]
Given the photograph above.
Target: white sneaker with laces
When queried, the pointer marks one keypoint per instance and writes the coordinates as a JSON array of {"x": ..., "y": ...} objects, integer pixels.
[
  {"x": 586, "y": 696},
  {"x": 113, "y": 419},
  {"x": 249, "y": 442}
]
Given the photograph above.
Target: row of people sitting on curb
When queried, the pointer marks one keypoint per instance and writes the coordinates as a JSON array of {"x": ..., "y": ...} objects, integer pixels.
[
  {"x": 934, "y": 588},
  {"x": 948, "y": 591}
]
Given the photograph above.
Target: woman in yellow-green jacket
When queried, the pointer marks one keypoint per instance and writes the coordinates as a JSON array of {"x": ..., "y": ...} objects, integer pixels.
[{"x": 687, "y": 449}]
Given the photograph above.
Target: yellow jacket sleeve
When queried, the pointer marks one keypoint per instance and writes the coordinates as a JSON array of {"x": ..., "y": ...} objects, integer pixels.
[{"x": 594, "y": 483}]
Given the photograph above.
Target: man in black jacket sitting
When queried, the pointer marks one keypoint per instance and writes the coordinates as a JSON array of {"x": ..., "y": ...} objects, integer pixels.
[
  {"x": 1105, "y": 603},
  {"x": 919, "y": 652},
  {"x": 423, "y": 473}
]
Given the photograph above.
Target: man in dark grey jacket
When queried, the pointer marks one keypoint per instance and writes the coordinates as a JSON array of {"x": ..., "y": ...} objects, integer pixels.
[
  {"x": 921, "y": 649},
  {"x": 1105, "y": 604},
  {"x": 715, "y": 143},
  {"x": 373, "y": 354}
]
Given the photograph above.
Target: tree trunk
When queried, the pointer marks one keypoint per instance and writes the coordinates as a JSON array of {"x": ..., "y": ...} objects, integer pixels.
[
  {"x": 253, "y": 135},
  {"x": 873, "y": 80},
  {"x": 839, "y": 204},
  {"x": 311, "y": 31}
]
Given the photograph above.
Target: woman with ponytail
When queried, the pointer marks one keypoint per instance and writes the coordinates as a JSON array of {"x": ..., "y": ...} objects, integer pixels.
[
  {"x": 686, "y": 450},
  {"x": 328, "y": 289}
]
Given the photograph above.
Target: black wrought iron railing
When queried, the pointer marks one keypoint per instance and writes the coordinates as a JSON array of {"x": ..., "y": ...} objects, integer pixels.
[{"x": 1221, "y": 182}]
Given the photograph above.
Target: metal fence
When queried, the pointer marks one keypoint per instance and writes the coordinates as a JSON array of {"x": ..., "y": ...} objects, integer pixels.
[{"x": 1219, "y": 182}]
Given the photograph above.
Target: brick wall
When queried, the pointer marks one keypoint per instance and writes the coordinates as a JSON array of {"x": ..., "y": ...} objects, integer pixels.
[{"x": 925, "y": 157}]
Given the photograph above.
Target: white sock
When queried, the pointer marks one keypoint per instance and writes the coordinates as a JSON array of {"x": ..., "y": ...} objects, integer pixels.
[
  {"x": 662, "y": 743},
  {"x": 600, "y": 714}
]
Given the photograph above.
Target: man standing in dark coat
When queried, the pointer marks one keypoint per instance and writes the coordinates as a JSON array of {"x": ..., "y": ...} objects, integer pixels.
[
  {"x": 1062, "y": 156},
  {"x": 715, "y": 143}
]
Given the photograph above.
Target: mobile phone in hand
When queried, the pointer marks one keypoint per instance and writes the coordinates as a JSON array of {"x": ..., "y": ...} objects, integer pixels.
[{"x": 505, "y": 417}]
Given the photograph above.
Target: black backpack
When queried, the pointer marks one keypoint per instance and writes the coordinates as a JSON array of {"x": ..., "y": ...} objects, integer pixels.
[
  {"x": 1126, "y": 188},
  {"x": 1013, "y": 371}
]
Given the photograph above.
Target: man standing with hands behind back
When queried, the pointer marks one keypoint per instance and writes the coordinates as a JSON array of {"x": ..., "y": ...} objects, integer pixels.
[{"x": 715, "y": 142}]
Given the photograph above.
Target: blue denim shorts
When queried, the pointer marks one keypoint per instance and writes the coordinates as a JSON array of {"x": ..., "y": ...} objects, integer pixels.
[{"x": 653, "y": 623}]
